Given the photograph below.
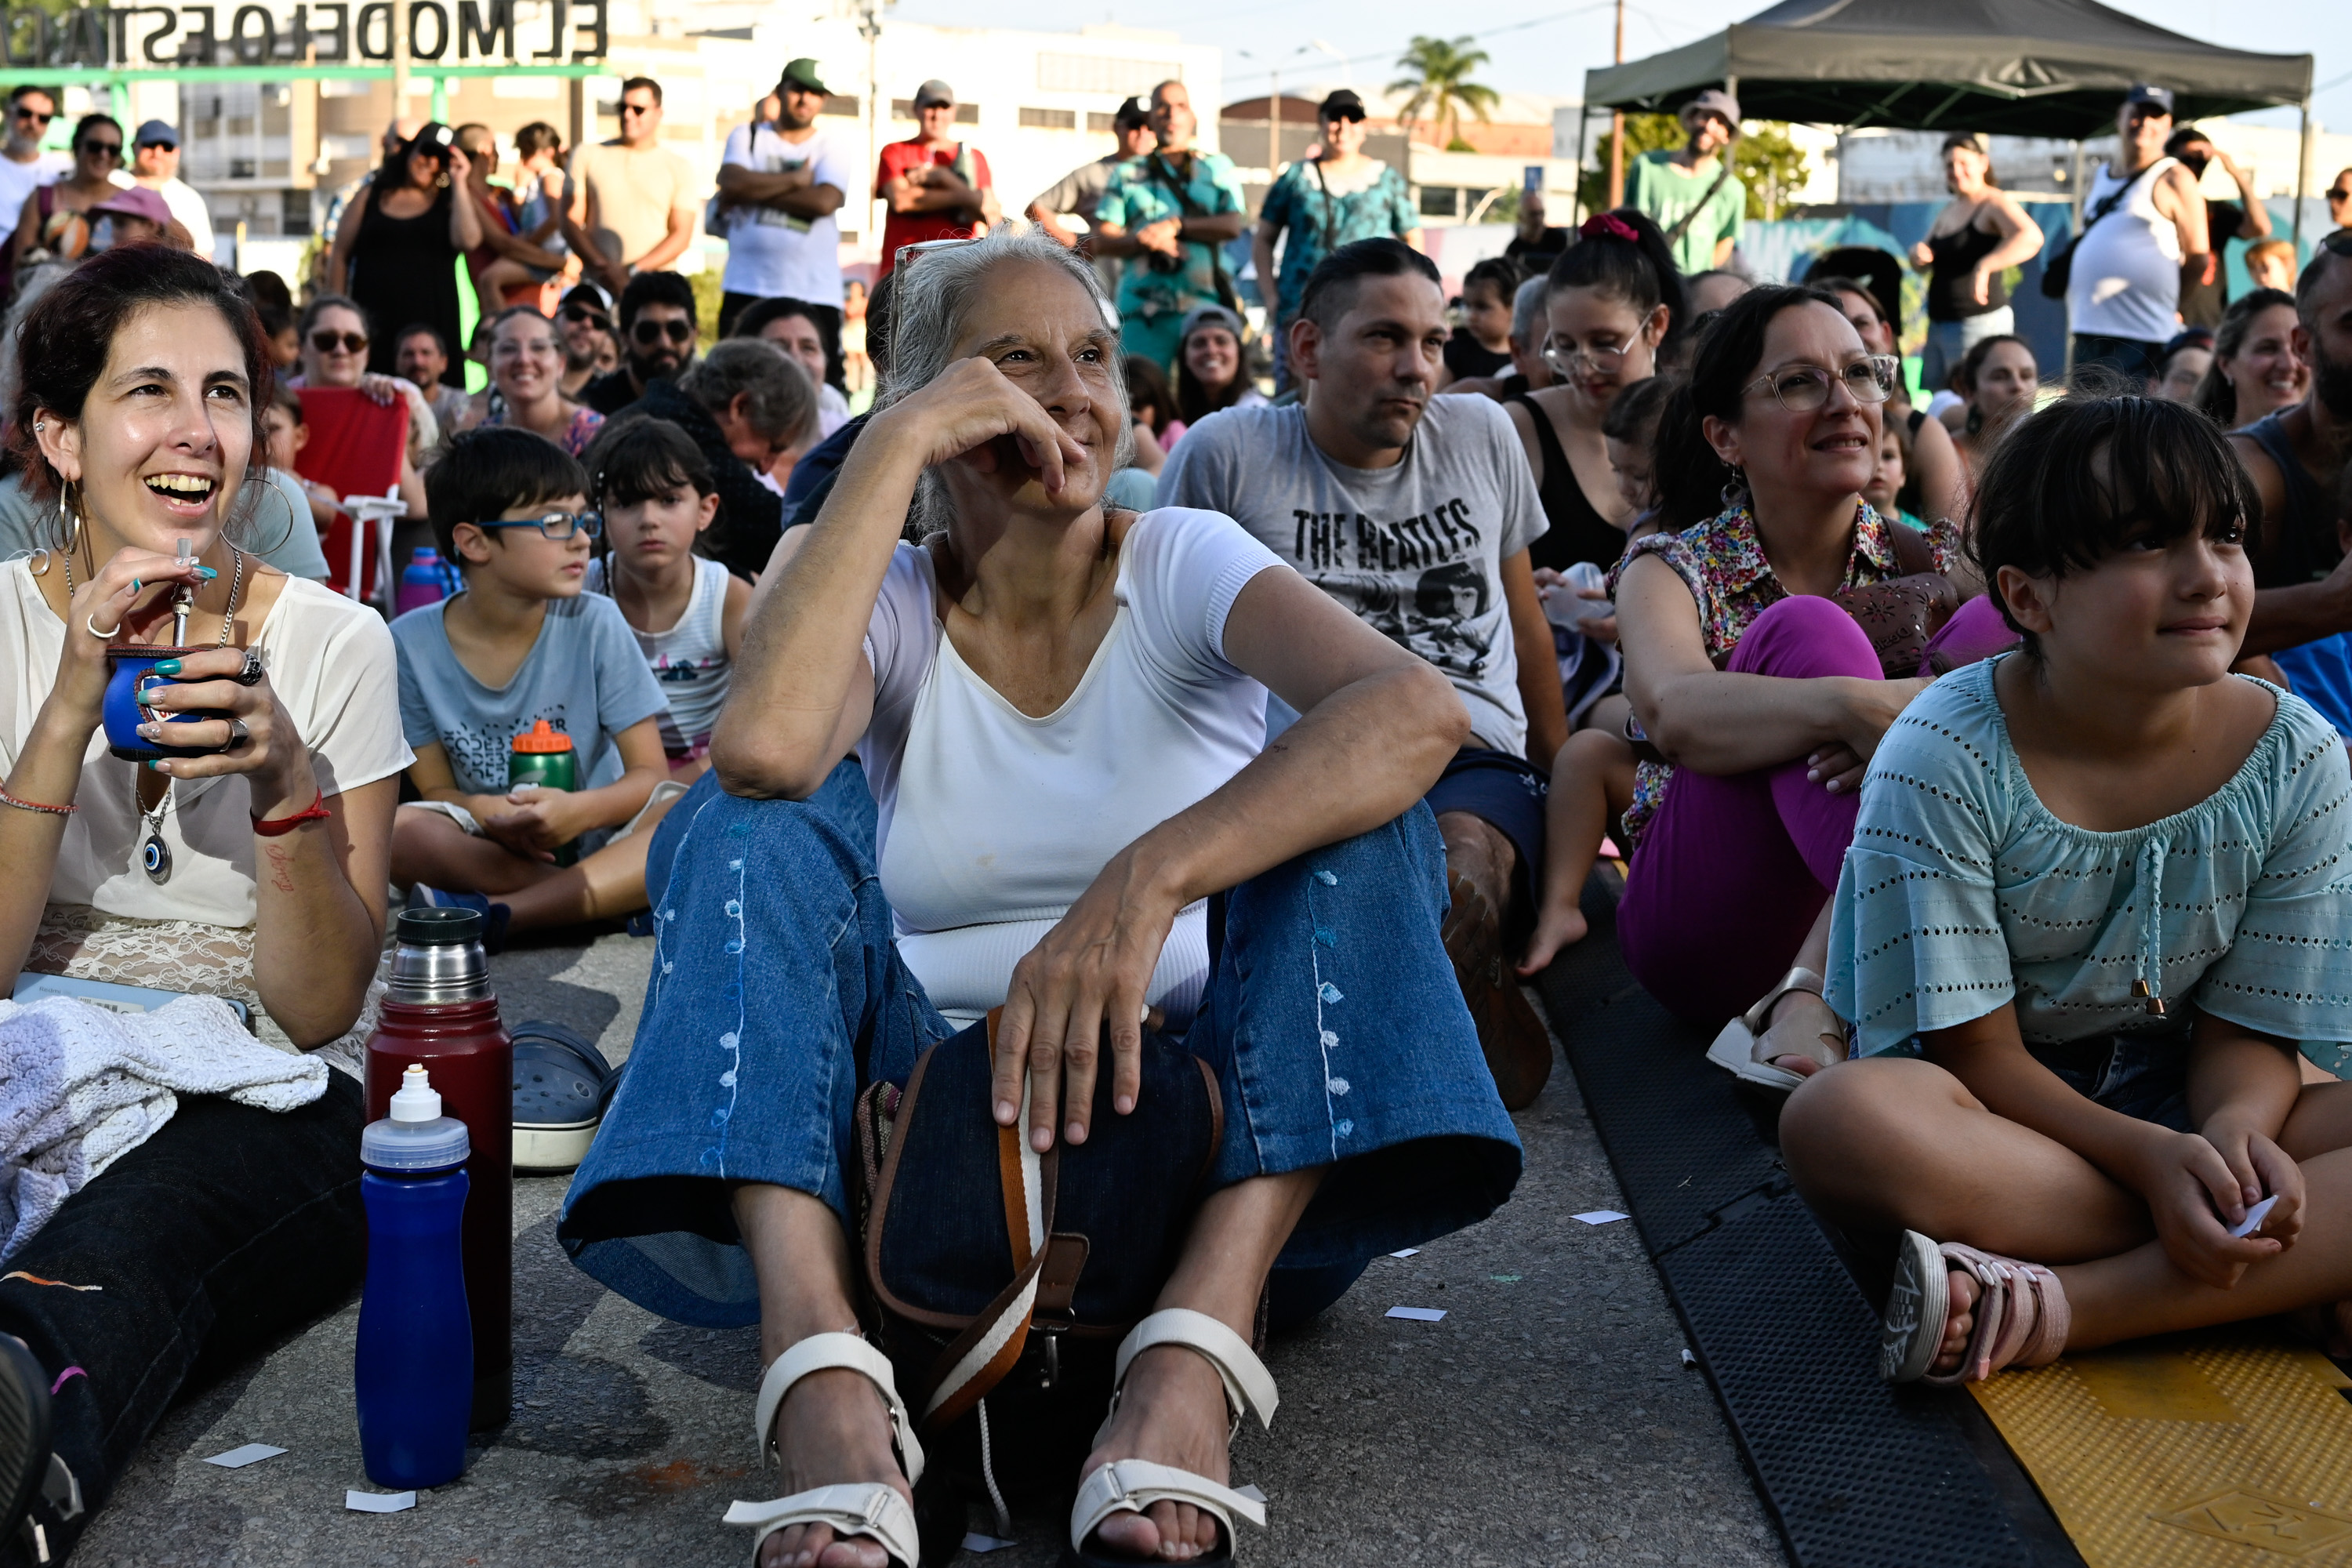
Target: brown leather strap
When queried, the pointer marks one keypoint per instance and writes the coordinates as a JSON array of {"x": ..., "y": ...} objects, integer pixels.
[
  {"x": 1057, "y": 1281},
  {"x": 1913, "y": 555}
]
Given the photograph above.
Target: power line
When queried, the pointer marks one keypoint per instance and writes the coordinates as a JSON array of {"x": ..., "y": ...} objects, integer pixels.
[{"x": 1491, "y": 32}]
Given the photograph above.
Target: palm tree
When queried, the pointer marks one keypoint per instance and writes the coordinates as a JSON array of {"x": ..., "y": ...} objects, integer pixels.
[{"x": 1440, "y": 84}]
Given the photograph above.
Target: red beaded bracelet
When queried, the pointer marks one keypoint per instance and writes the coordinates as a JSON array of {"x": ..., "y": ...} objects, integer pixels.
[
  {"x": 315, "y": 812},
  {"x": 7, "y": 799}
]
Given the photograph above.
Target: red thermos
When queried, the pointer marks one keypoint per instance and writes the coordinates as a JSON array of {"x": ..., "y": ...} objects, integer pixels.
[{"x": 439, "y": 1012}]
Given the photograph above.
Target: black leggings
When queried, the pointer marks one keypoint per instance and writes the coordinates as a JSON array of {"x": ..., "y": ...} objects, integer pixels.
[{"x": 219, "y": 1234}]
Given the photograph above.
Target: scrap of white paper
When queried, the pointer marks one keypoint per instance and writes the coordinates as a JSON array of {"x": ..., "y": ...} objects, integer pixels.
[
  {"x": 1408, "y": 1252},
  {"x": 1419, "y": 1314},
  {"x": 1251, "y": 1492},
  {"x": 2254, "y": 1217},
  {"x": 251, "y": 1454},
  {"x": 1689, "y": 1360},
  {"x": 974, "y": 1540},
  {"x": 378, "y": 1503},
  {"x": 1602, "y": 1217}
]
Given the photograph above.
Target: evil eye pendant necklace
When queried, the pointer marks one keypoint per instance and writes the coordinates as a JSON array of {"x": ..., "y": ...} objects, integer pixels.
[{"x": 154, "y": 855}]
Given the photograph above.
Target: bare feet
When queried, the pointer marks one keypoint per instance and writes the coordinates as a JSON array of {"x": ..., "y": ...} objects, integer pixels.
[
  {"x": 1803, "y": 1036},
  {"x": 1173, "y": 1412},
  {"x": 1959, "y": 1320},
  {"x": 833, "y": 1427},
  {"x": 1555, "y": 928}
]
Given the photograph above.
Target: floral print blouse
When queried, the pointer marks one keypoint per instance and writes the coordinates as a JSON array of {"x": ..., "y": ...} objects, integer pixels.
[{"x": 1722, "y": 562}]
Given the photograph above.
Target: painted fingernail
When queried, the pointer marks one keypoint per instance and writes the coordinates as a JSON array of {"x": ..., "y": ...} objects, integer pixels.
[
  {"x": 206, "y": 572},
  {"x": 134, "y": 585},
  {"x": 167, "y": 667},
  {"x": 158, "y": 765},
  {"x": 151, "y": 731}
]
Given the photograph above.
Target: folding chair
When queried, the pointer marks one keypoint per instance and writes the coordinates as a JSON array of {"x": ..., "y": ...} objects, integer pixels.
[{"x": 355, "y": 448}]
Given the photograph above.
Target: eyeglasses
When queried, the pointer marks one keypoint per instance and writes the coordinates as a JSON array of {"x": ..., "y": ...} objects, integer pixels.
[
  {"x": 650, "y": 333},
  {"x": 2338, "y": 194},
  {"x": 628, "y": 107},
  {"x": 557, "y": 526},
  {"x": 35, "y": 115},
  {"x": 1565, "y": 361},
  {"x": 111, "y": 149},
  {"x": 576, "y": 314},
  {"x": 1800, "y": 389},
  {"x": 326, "y": 342}
]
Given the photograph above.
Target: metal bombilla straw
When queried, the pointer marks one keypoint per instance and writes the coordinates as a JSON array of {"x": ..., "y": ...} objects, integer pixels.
[{"x": 182, "y": 598}]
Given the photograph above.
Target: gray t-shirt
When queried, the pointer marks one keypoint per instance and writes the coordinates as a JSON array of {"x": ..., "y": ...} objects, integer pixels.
[
  {"x": 584, "y": 676},
  {"x": 1415, "y": 550}
]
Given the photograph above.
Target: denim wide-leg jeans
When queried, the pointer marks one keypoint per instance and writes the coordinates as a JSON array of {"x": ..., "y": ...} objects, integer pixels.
[{"x": 1332, "y": 1020}]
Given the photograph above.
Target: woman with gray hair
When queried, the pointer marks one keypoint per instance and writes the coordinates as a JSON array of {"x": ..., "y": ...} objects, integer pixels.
[
  {"x": 744, "y": 404},
  {"x": 1060, "y": 708}
]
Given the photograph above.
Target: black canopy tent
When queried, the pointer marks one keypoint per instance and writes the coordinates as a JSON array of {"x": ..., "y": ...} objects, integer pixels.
[{"x": 2018, "y": 68}]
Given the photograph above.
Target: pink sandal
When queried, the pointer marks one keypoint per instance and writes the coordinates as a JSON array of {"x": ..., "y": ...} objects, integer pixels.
[{"x": 2020, "y": 1316}]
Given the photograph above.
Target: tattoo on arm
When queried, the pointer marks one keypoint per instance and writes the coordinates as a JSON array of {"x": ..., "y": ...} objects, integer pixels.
[{"x": 281, "y": 867}]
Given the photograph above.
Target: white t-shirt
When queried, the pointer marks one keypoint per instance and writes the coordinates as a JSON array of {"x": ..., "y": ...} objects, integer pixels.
[
  {"x": 19, "y": 181},
  {"x": 770, "y": 252},
  {"x": 992, "y": 823},
  {"x": 1415, "y": 550},
  {"x": 2124, "y": 281},
  {"x": 330, "y": 663},
  {"x": 185, "y": 205}
]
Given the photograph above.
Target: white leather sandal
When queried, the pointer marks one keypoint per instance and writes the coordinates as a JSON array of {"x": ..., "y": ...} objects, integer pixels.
[
  {"x": 1131, "y": 1486},
  {"x": 852, "y": 1508},
  {"x": 1736, "y": 1048}
]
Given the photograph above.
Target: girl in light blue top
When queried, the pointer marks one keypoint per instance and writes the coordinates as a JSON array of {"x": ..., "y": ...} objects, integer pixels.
[{"x": 2099, "y": 890}]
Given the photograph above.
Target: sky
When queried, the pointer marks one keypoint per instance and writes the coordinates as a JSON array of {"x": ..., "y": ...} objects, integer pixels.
[{"x": 1545, "y": 46}]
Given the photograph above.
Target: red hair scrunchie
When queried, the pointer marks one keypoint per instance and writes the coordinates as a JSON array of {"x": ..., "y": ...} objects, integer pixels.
[{"x": 1611, "y": 225}]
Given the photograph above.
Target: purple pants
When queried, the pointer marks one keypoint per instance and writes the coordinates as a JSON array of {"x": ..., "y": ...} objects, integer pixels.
[{"x": 1733, "y": 868}]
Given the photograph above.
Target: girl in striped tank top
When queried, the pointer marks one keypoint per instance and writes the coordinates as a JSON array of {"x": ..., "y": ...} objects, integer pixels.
[{"x": 656, "y": 492}]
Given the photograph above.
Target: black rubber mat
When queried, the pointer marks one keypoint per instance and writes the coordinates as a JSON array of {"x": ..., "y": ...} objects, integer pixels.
[{"x": 1856, "y": 1473}]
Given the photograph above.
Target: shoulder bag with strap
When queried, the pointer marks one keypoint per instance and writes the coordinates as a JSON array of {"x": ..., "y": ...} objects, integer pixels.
[
  {"x": 2059, "y": 270},
  {"x": 1901, "y": 615},
  {"x": 1227, "y": 294},
  {"x": 1682, "y": 224},
  {"x": 999, "y": 1280}
]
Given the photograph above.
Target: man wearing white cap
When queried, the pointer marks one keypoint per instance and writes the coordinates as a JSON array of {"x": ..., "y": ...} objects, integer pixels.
[
  {"x": 155, "y": 164},
  {"x": 937, "y": 187},
  {"x": 1691, "y": 192}
]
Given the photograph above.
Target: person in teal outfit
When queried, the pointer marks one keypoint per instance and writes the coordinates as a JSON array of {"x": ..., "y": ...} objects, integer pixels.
[
  {"x": 1690, "y": 191},
  {"x": 2097, "y": 895},
  {"x": 1322, "y": 204},
  {"x": 1174, "y": 209}
]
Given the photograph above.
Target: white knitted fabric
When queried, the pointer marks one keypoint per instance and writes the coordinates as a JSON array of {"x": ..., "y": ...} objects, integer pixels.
[{"x": 81, "y": 1086}]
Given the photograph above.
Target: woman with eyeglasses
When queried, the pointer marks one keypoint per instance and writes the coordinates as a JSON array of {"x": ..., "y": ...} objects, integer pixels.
[
  {"x": 1611, "y": 299},
  {"x": 53, "y": 225},
  {"x": 397, "y": 254},
  {"x": 526, "y": 388},
  {"x": 1761, "y": 696},
  {"x": 335, "y": 342}
]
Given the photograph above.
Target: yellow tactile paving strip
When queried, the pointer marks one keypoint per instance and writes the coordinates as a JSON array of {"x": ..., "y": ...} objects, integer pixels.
[{"x": 2231, "y": 1450}]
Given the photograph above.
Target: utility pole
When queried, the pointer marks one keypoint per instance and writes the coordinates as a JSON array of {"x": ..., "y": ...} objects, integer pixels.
[
  {"x": 399, "y": 62},
  {"x": 1617, "y": 128},
  {"x": 869, "y": 27}
]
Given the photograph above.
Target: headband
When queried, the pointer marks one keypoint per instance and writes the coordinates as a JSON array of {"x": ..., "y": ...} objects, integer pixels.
[{"x": 1611, "y": 226}]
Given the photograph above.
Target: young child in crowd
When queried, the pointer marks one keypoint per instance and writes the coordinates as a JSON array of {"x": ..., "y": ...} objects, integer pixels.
[
  {"x": 1592, "y": 776},
  {"x": 520, "y": 646},
  {"x": 1884, "y": 491},
  {"x": 2097, "y": 893},
  {"x": 654, "y": 491}
]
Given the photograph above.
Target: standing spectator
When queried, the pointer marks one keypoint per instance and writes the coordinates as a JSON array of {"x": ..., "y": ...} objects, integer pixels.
[
  {"x": 744, "y": 405},
  {"x": 1416, "y": 512},
  {"x": 505, "y": 266},
  {"x": 421, "y": 357},
  {"x": 53, "y": 225},
  {"x": 24, "y": 167},
  {"x": 856, "y": 367},
  {"x": 1175, "y": 209},
  {"x": 1981, "y": 234},
  {"x": 2270, "y": 264},
  {"x": 1691, "y": 192},
  {"x": 937, "y": 187},
  {"x": 2203, "y": 297},
  {"x": 2255, "y": 371},
  {"x": 656, "y": 339},
  {"x": 1080, "y": 192},
  {"x": 2143, "y": 237},
  {"x": 589, "y": 348},
  {"x": 795, "y": 327},
  {"x": 1319, "y": 204},
  {"x": 780, "y": 185},
  {"x": 398, "y": 258},
  {"x": 526, "y": 388},
  {"x": 1481, "y": 345},
  {"x": 155, "y": 164},
  {"x": 2339, "y": 201},
  {"x": 631, "y": 199}
]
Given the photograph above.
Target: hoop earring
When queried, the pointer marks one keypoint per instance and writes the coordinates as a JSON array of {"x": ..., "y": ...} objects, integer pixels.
[
  {"x": 1735, "y": 492},
  {"x": 70, "y": 512}
]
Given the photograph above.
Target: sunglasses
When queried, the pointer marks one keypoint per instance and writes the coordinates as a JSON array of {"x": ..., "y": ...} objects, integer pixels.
[
  {"x": 167, "y": 146},
  {"x": 651, "y": 333},
  {"x": 111, "y": 149},
  {"x": 35, "y": 115},
  {"x": 638, "y": 108},
  {"x": 557, "y": 526},
  {"x": 2338, "y": 194},
  {"x": 326, "y": 342},
  {"x": 579, "y": 313},
  {"x": 1356, "y": 115}
]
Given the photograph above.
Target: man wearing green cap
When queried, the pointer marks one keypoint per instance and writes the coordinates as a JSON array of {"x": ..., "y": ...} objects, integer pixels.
[{"x": 780, "y": 185}]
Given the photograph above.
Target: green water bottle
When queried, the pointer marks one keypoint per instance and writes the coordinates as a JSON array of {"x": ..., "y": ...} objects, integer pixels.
[{"x": 540, "y": 756}]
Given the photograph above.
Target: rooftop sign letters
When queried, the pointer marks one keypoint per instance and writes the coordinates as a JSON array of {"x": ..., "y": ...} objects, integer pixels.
[{"x": 469, "y": 31}]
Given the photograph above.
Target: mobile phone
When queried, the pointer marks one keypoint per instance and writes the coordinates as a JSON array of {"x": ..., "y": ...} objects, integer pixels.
[{"x": 1532, "y": 178}]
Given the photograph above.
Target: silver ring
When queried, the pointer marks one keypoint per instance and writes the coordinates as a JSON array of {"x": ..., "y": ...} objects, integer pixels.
[
  {"x": 251, "y": 671},
  {"x": 90, "y": 622},
  {"x": 237, "y": 734}
]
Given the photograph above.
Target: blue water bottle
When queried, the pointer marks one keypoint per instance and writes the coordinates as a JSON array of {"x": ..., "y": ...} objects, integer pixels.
[
  {"x": 415, "y": 1368},
  {"x": 425, "y": 580}
]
